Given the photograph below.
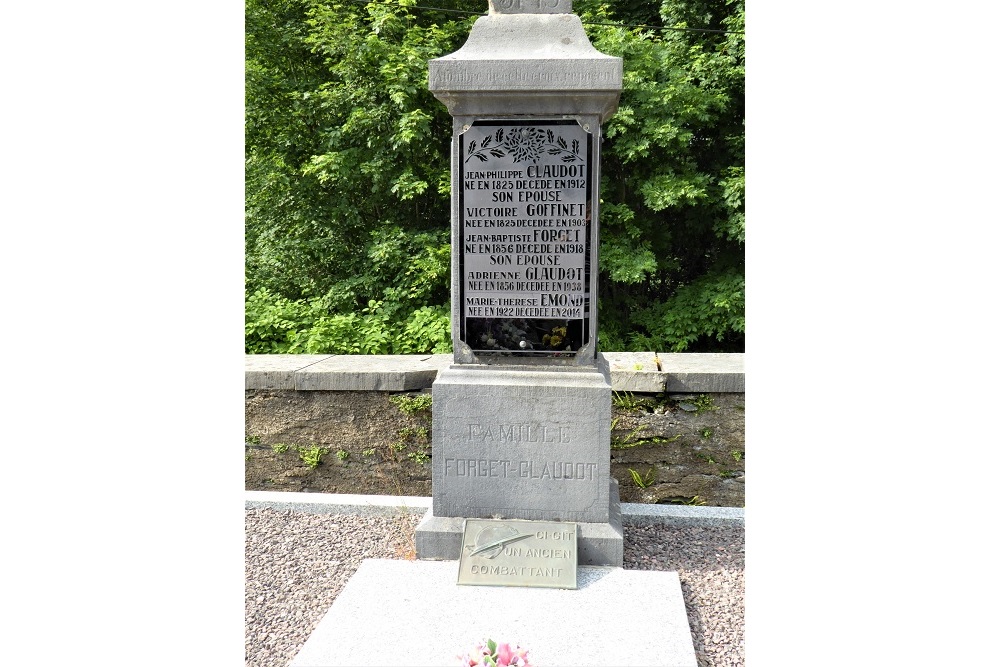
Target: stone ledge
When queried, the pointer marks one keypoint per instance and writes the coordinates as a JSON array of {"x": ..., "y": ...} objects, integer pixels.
[
  {"x": 337, "y": 503},
  {"x": 703, "y": 372},
  {"x": 362, "y": 372},
  {"x": 343, "y": 503},
  {"x": 639, "y": 514},
  {"x": 599, "y": 543},
  {"x": 643, "y": 372}
]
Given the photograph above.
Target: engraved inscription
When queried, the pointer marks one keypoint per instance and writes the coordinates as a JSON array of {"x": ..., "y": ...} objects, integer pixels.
[
  {"x": 518, "y": 433},
  {"x": 532, "y": 6},
  {"x": 518, "y": 553},
  {"x": 515, "y": 571},
  {"x": 525, "y": 244},
  {"x": 503, "y": 468},
  {"x": 494, "y": 76}
]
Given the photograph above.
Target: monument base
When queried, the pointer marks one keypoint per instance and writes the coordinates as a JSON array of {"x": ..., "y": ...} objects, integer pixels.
[
  {"x": 522, "y": 443},
  {"x": 394, "y": 612},
  {"x": 440, "y": 537}
]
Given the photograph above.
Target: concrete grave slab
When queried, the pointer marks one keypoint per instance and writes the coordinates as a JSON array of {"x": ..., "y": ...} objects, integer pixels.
[{"x": 413, "y": 612}]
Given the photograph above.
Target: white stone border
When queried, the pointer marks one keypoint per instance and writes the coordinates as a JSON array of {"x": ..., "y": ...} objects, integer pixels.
[{"x": 343, "y": 503}]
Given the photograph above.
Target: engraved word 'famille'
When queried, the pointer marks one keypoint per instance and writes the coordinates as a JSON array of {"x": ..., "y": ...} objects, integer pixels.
[{"x": 519, "y": 433}]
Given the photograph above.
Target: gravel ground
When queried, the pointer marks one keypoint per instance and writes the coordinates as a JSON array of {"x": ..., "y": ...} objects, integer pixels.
[{"x": 297, "y": 563}]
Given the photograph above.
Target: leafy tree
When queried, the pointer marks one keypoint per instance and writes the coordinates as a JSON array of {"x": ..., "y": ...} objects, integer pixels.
[
  {"x": 347, "y": 152},
  {"x": 347, "y": 175},
  {"x": 672, "y": 221}
]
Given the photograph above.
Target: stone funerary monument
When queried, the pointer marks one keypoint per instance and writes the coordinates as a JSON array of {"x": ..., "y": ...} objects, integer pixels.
[{"x": 522, "y": 418}]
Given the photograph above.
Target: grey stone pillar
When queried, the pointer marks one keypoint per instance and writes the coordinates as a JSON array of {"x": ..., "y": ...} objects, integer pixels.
[{"x": 522, "y": 419}]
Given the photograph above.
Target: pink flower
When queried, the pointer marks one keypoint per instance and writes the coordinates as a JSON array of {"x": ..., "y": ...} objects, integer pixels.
[
  {"x": 495, "y": 654},
  {"x": 504, "y": 654},
  {"x": 520, "y": 658}
]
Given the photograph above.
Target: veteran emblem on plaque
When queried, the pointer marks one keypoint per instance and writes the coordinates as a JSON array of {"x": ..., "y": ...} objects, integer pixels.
[{"x": 491, "y": 540}]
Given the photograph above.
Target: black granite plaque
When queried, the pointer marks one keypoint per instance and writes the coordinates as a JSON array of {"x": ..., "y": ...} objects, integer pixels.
[{"x": 525, "y": 256}]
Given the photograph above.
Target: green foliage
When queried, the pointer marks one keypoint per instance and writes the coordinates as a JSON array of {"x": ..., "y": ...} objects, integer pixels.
[
  {"x": 418, "y": 432},
  {"x": 312, "y": 456},
  {"x": 276, "y": 325},
  {"x": 273, "y": 320},
  {"x": 672, "y": 216},
  {"x": 682, "y": 500},
  {"x": 711, "y": 307},
  {"x": 347, "y": 241},
  {"x": 419, "y": 457},
  {"x": 704, "y": 403},
  {"x": 280, "y": 448},
  {"x": 411, "y": 405},
  {"x": 629, "y": 440},
  {"x": 632, "y": 439},
  {"x": 417, "y": 437},
  {"x": 347, "y": 225},
  {"x": 626, "y": 400},
  {"x": 643, "y": 482}
]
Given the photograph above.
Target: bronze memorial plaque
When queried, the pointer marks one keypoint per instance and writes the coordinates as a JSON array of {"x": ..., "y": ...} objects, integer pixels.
[{"x": 514, "y": 552}]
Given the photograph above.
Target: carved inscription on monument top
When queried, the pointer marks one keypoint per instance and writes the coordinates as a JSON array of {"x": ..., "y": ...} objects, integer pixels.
[
  {"x": 525, "y": 244},
  {"x": 531, "y": 6}
]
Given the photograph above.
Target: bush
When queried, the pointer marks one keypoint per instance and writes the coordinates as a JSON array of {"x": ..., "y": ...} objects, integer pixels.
[
  {"x": 276, "y": 325},
  {"x": 348, "y": 192}
]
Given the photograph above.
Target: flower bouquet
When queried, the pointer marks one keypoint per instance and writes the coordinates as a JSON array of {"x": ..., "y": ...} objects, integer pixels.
[{"x": 490, "y": 653}]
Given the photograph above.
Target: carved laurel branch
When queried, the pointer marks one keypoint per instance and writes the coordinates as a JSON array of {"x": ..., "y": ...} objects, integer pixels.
[{"x": 524, "y": 148}]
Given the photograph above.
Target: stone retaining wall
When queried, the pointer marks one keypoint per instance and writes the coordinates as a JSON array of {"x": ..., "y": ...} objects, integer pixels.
[{"x": 677, "y": 429}]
